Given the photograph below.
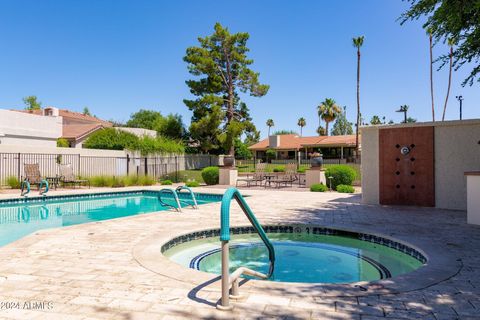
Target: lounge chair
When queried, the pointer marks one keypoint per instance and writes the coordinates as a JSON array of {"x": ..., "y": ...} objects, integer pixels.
[
  {"x": 257, "y": 177},
  {"x": 68, "y": 177},
  {"x": 288, "y": 177},
  {"x": 33, "y": 177}
]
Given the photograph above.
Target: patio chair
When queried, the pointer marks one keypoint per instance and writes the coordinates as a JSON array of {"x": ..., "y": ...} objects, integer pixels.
[
  {"x": 257, "y": 177},
  {"x": 289, "y": 177},
  {"x": 68, "y": 177},
  {"x": 33, "y": 177}
]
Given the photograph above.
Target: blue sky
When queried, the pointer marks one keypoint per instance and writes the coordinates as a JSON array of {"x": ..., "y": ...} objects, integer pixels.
[{"x": 118, "y": 56}]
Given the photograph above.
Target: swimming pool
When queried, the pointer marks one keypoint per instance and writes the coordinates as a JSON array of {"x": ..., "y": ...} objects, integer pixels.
[
  {"x": 303, "y": 254},
  {"x": 22, "y": 216}
]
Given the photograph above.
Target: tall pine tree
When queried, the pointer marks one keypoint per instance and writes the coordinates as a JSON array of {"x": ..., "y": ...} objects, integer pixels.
[{"x": 221, "y": 69}]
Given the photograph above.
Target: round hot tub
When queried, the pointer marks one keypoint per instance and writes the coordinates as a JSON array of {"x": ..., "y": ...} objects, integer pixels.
[{"x": 305, "y": 254}]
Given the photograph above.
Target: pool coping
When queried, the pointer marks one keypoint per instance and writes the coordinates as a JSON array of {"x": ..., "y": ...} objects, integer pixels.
[{"x": 438, "y": 268}]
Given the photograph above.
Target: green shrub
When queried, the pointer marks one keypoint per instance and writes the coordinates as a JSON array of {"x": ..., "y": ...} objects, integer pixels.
[
  {"x": 342, "y": 174},
  {"x": 62, "y": 143},
  {"x": 192, "y": 184},
  {"x": 166, "y": 182},
  {"x": 97, "y": 181},
  {"x": 146, "y": 181},
  {"x": 118, "y": 182},
  {"x": 13, "y": 182},
  {"x": 342, "y": 188},
  {"x": 270, "y": 154},
  {"x": 302, "y": 170},
  {"x": 318, "y": 187},
  {"x": 210, "y": 175},
  {"x": 148, "y": 145},
  {"x": 279, "y": 169},
  {"x": 130, "y": 180},
  {"x": 111, "y": 139},
  {"x": 115, "y": 139}
]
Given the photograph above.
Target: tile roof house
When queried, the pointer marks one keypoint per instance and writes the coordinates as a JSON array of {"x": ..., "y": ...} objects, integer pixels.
[
  {"x": 76, "y": 126},
  {"x": 292, "y": 146}
]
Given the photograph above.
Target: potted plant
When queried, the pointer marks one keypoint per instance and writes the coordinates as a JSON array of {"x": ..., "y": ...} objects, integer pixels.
[
  {"x": 316, "y": 159},
  {"x": 228, "y": 161}
]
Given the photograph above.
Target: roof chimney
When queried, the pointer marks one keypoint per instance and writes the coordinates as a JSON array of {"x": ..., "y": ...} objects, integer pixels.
[
  {"x": 51, "y": 111},
  {"x": 274, "y": 141}
]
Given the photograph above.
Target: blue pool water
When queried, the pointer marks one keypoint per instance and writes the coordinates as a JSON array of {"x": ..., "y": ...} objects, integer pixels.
[
  {"x": 19, "y": 218},
  {"x": 300, "y": 257}
]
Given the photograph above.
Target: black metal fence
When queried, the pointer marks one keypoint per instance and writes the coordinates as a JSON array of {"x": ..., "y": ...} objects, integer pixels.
[{"x": 12, "y": 164}]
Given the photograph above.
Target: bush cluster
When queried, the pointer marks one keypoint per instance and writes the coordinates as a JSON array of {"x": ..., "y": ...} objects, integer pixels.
[
  {"x": 210, "y": 175},
  {"x": 118, "y": 182},
  {"x": 62, "y": 143},
  {"x": 318, "y": 187},
  {"x": 13, "y": 182},
  {"x": 342, "y": 188},
  {"x": 114, "y": 139},
  {"x": 342, "y": 174},
  {"x": 166, "y": 182},
  {"x": 279, "y": 168},
  {"x": 192, "y": 184}
]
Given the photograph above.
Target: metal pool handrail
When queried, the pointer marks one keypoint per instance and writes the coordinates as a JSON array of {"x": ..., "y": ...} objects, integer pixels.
[
  {"x": 180, "y": 188},
  {"x": 233, "y": 279},
  {"x": 175, "y": 196}
]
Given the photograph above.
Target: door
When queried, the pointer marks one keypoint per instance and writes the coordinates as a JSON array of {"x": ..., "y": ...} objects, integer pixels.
[{"x": 407, "y": 166}]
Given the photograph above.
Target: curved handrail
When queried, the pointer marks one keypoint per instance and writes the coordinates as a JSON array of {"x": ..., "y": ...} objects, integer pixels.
[
  {"x": 180, "y": 188},
  {"x": 175, "y": 196},
  {"x": 23, "y": 185},
  {"x": 230, "y": 194}
]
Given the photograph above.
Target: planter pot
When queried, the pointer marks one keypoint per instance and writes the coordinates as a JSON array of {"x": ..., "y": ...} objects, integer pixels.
[
  {"x": 228, "y": 161},
  {"x": 316, "y": 162}
]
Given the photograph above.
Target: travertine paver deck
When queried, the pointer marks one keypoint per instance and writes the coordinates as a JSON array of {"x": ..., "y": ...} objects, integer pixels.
[{"x": 100, "y": 270}]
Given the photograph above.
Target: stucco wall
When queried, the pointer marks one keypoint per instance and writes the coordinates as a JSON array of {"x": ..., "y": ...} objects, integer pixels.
[
  {"x": 457, "y": 150},
  {"x": 18, "y": 128},
  {"x": 370, "y": 165}
]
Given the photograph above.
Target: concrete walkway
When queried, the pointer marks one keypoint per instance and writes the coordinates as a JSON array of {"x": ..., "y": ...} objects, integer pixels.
[{"x": 111, "y": 269}]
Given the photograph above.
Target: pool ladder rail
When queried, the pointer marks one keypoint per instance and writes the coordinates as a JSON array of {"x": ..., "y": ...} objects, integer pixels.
[
  {"x": 175, "y": 194},
  {"x": 233, "y": 278}
]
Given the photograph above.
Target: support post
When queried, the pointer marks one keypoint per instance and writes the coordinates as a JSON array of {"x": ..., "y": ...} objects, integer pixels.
[
  {"x": 19, "y": 177},
  {"x": 225, "y": 301}
]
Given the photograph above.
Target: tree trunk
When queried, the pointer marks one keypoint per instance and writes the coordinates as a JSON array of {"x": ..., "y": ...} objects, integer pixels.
[
  {"x": 230, "y": 106},
  {"x": 431, "y": 78},
  {"x": 449, "y": 83},
  {"x": 269, "y": 131},
  {"x": 326, "y": 127},
  {"x": 358, "y": 100}
]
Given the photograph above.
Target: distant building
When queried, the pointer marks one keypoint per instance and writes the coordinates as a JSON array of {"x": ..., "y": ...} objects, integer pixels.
[
  {"x": 76, "y": 126},
  {"x": 292, "y": 146},
  {"x": 18, "y": 128}
]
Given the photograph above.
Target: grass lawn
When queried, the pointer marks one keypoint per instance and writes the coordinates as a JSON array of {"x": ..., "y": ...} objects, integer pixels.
[{"x": 185, "y": 175}]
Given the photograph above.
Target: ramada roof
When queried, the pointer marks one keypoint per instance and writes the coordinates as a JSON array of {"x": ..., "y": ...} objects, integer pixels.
[{"x": 293, "y": 141}]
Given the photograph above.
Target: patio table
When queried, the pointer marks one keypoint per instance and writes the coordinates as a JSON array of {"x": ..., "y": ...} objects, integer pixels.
[{"x": 53, "y": 181}]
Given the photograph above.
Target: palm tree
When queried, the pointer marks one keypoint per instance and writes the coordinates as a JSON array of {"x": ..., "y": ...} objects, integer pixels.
[
  {"x": 450, "y": 43},
  {"x": 375, "y": 120},
  {"x": 269, "y": 125},
  {"x": 328, "y": 110},
  {"x": 358, "y": 43},
  {"x": 429, "y": 31},
  {"x": 301, "y": 123},
  {"x": 321, "y": 131}
]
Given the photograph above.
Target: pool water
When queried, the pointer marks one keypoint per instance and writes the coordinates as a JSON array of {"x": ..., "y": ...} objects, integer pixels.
[
  {"x": 300, "y": 257},
  {"x": 20, "y": 219}
]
